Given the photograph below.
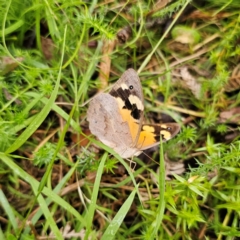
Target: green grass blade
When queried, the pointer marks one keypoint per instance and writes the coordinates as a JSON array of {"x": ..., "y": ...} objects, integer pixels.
[
  {"x": 1, "y": 234},
  {"x": 39, "y": 118},
  {"x": 8, "y": 209},
  {"x": 60, "y": 142},
  {"x": 47, "y": 214},
  {"x": 57, "y": 109},
  {"x": 48, "y": 200},
  {"x": 161, "y": 206},
  {"x": 36, "y": 122},
  {"x": 53, "y": 26},
  {"x": 118, "y": 219},
  {"x": 12, "y": 28},
  {"x": 35, "y": 184},
  {"x": 93, "y": 204},
  {"x": 122, "y": 161},
  {"x": 147, "y": 59}
]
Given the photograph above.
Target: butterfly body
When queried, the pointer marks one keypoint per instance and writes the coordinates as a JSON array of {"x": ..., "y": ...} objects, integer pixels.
[{"x": 116, "y": 118}]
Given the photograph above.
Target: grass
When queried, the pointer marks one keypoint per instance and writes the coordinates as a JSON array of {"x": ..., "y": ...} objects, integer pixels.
[{"x": 57, "y": 181}]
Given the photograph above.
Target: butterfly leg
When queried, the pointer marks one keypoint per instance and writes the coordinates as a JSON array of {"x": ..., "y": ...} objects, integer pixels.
[{"x": 132, "y": 164}]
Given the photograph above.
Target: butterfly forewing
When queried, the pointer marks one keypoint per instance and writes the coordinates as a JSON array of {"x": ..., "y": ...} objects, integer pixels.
[{"x": 128, "y": 93}]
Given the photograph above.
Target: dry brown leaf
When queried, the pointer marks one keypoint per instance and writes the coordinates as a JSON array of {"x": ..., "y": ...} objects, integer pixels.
[
  {"x": 231, "y": 136},
  {"x": 234, "y": 81},
  {"x": 47, "y": 47},
  {"x": 124, "y": 34},
  {"x": 170, "y": 168},
  {"x": 210, "y": 16},
  {"x": 189, "y": 81},
  {"x": 160, "y": 4},
  {"x": 66, "y": 233},
  {"x": 153, "y": 65},
  {"x": 231, "y": 116},
  {"x": 8, "y": 64},
  {"x": 81, "y": 142},
  {"x": 9, "y": 97},
  {"x": 105, "y": 63}
]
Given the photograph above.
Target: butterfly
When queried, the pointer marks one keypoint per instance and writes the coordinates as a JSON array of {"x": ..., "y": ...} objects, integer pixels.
[{"x": 116, "y": 118}]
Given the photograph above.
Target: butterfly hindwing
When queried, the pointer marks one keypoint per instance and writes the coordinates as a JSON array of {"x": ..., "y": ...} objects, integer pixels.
[{"x": 150, "y": 134}]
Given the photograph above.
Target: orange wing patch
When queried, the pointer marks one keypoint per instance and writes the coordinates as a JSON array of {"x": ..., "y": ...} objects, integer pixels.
[
  {"x": 150, "y": 134},
  {"x": 133, "y": 125},
  {"x": 127, "y": 117},
  {"x": 147, "y": 136}
]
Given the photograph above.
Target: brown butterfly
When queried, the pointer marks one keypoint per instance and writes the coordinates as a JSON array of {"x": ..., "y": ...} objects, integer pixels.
[{"x": 116, "y": 118}]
